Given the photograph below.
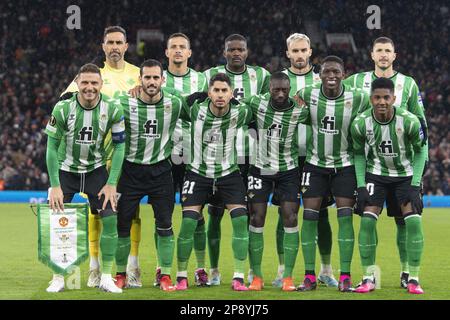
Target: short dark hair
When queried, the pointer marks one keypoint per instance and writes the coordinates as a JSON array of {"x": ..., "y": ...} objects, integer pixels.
[
  {"x": 234, "y": 37},
  {"x": 382, "y": 83},
  {"x": 89, "y": 68},
  {"x": 333, "y": 59},
  {"x": 279, "y": 76},
  {"x": 150, "y": 63},
  {"x": 383, "y": 40},
  {"x": 112, "y": 29},
  {"x": 219, "y": 77},
  {"x": 178, "y": 35}
]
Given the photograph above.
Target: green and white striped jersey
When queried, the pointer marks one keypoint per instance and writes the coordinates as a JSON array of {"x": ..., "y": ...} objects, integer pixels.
[
  {"x": 389, "y": 147},
  {"x": 187, "y": 84},
  {"x": 277, "y": 129},
  {"x": 213, "y": 139},
  {"x": 254, "y": 80},
  {"x": 82, "y": 132},
  {"x": 300, "y": 81},
  {"x": 149, "y": 127},
  {"x": 406, "y": 90},
  {"x": 330, "y": 120}
]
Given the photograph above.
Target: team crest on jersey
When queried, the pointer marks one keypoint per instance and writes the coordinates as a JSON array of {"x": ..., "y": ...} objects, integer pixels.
[
  {"x": 167, "y": 108},
  {"x": 252, "y": 77},
  {"x": 399, "y": 131},
  {"x": 103, "y": 117},
  {"x": 399, "y": 87},
  {"x": 348, "y": 104},
  {"x": 233, "y": 122}
]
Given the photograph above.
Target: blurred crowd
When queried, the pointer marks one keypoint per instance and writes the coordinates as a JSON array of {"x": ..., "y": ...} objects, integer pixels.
[{"x": 39, "y": 57}]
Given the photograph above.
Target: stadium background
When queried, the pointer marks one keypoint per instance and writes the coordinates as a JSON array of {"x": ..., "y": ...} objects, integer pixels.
[{"x": 39, "y": 57}]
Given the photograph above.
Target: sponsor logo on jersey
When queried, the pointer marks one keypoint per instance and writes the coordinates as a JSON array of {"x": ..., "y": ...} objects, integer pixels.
[
  {"x": 151, "y": 129},
  {"x": 233, "y": 122},
  {"x": 328, "y": 125},
  {"x": 386, "y": 149},
  {"x": 85, "y": 136}
]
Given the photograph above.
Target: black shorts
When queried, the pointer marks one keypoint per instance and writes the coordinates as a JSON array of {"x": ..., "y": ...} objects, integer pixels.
[
  {"x": 380, "y": 187},
  {"x": 198, "y": 190},
  {"x": 244, "y": 169},
  {"x": 178, "y": 171},
  {"x": 317, "y": 181},
  {"x": 89, "y": 183},
  {"x": 286, "y": 184},
  {"x": 138, "y": 181}
]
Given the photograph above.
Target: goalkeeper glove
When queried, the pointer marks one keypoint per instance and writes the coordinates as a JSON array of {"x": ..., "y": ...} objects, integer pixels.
[
  {"x": 415, "y": 197},
  {"x": 66, "y": 96},
  {"x": 362, "y": 199},
  {"x": 196, "y": 96}
]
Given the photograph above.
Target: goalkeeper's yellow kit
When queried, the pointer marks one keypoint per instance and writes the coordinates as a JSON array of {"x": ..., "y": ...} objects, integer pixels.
[{"x": 115, "y": 82}]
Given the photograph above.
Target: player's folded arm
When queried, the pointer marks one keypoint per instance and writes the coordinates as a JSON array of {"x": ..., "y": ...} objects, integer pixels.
[{"x": 118, "y": 138}]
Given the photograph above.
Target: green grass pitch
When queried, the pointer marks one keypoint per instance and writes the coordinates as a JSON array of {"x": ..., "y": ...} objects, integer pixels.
[{"x": 24, "y": 277}]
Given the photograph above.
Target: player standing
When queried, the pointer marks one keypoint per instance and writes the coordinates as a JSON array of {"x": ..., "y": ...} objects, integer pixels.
[
  {"x": 213, "y": 171},
  {"x": 408, "y": 97},
  {"x": 118, "y": 76},
  {"x": 301, "y": 74},
  {"x": 246, "y": 81},
  {"x": 330, "y": 108},
  {"x": 396, "y": 154},
  {"x": 150, "y": 122},
  {"x": 276, "y": 169},
  {"x": 186, "y": 81},
  {"x": 77, "y": 130}
]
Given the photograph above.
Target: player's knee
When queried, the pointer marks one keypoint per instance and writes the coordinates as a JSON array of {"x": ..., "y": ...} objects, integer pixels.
[
  {"x": 215, "y": 210},
  {"x": 291, "y": 221},
  {"x": 344, "y": 212},
  {"x": 106, "y": 213},
  {"x": 191, "y": 214},
  {"x": 311, "y": 215},
  {"x": 200, "y": 222},
  {"x": 164, "y": 226},
  {"x": 256, "y": 220},
  {"x": 238, "y": 212}
]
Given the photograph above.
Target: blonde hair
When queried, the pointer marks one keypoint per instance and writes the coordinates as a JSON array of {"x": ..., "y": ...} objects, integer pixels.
[{"x": 297, "y": 36}]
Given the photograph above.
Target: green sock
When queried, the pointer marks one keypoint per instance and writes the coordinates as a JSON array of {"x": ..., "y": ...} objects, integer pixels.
[
  {"x": 291, "y": 242},
  {"x": 184, "y": 242},
  {"x": 256, "y": 245},
  {"x": 280, "y": 238},
  {"x": 213, "y": 236},
  {"x": 324, "y": 237},
  {"x": 401, "y": 245},
  {"x": 108, "y": 242},
  {"x": 166, "y": 246},
  {"x": 414, "y": 243},
  {"x": 346, "y": 239},
  {"x": 122, "y": 252},
  {"x": 239, "y": 242},
  {"x": 155, "y": 237},
  {"x": 308, "y": 236},
  {"x": 367, "y": 243},
  {"x": 200, "y": 244}
]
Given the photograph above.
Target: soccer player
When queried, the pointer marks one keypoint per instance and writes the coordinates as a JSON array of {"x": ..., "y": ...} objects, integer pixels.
[
  {"x": 213, "y": 171},
  {"x": 77, "y": 130},
  {"x": 276, "y": 168},
  {"x": 301, "y": 74},
  {"x": 186, "y": 81},
  {"x": 330, "y": 108},
  {"x": 246, "y": 81},
  {"x": 396, "y": 152},
  {"x": 408, "y": 97},
  {"x": 149, "y": 122},
  {"x": 118, "y": 77}
]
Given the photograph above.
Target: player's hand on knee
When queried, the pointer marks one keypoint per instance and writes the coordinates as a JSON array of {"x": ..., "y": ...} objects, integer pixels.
[
  {"x": 134, "y": 92},
  {"x": 56, "y": 199},
  {"x": 111, "y": 196},
  {"x": 415, "y": 197},
  {"x": 362, "y": 199}
]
